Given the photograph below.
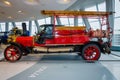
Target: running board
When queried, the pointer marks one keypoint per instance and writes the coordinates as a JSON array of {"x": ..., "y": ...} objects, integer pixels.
[{"x": 52, "y": 50}]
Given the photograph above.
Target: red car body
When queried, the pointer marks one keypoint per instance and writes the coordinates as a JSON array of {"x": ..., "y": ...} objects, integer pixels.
[{"x": 59, "y": 36}]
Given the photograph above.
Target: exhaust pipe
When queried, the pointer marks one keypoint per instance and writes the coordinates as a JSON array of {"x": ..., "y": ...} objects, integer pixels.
[{"x": 24, "y": 29}]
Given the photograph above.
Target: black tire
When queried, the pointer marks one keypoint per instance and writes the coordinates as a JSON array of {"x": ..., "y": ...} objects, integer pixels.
[
  {"x": 91, "y": 52},
  {"x": 12, "y": 53}
]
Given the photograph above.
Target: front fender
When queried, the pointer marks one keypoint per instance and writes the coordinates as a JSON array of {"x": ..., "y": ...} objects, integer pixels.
[
  {"x": 16, "y": 44},
  {"x": 22, "y": 48}
]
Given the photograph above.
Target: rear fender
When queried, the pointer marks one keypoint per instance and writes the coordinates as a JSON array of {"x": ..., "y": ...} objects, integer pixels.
[{"x": 97, "y": 43}]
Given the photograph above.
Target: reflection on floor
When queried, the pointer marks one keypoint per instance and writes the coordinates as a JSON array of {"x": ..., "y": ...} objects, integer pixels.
[
  {"x": 65, "y": 70},
  {"x": 57, "y": 67}
]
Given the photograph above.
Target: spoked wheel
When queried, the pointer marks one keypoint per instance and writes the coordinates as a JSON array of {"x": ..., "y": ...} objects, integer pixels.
[
  {"x": 91, "y": 52},
  {"x": 12, "y": 53}
]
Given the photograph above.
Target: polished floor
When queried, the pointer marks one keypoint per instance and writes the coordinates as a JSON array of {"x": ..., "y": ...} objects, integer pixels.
[{"x": 61, "y": 67}]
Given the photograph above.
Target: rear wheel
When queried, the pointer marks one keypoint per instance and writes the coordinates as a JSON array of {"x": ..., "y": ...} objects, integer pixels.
[
  {"x": 91, "y": 52},
  {"x": 12, "y": 53}
]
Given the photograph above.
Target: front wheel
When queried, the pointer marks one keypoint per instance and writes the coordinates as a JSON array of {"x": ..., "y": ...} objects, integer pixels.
[
  {"x": 91, "y": 52},
  {"x": 12, "y": 53}
]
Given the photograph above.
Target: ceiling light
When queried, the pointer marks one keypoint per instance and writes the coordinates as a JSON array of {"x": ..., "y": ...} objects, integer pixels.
[
  {"x": 64, "y": 1},
  {"x": 31, "y": 2},
  {"x": 10, "y": 17},
  {"x": 20, "y": 12},
  {"x": 7, "y": 3}
]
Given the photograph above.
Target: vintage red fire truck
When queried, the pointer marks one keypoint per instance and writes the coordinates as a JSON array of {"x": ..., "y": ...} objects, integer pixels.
[{"x": 59, "y": 38}]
